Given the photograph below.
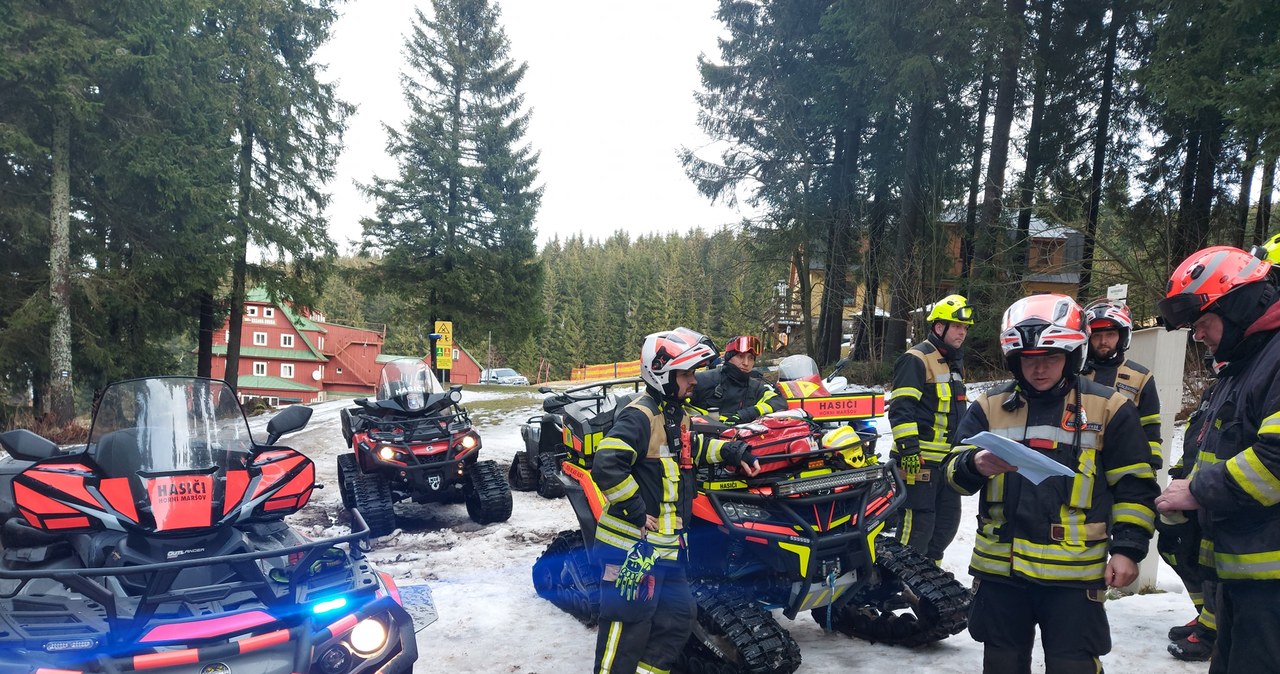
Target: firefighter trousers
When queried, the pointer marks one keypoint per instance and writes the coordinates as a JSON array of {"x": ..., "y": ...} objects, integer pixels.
[
  {"x": 1179, "y": 545},
  {"x": 645, "y": 635},
  {"x": 1248, "y": 628},
  {"x": 1073, "y": 627},
  {"x": 931, "y": 517}
]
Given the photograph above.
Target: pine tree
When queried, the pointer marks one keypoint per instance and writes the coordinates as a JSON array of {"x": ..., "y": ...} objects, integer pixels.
[{"x": 455, "y": 227}]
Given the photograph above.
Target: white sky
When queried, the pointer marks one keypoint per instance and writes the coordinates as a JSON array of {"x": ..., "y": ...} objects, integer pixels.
[{"x": 610, "y": 84}]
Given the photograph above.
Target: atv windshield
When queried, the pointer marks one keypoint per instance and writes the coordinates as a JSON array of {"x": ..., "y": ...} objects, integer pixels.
[
  {"x": 409, "y": 379},
  {"x": 168, "y": 424},
  {"x": 799, "y": 366}
]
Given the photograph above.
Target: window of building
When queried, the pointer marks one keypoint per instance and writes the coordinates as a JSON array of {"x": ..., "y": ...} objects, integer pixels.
[
  {"x": 286, "y": 370},
  {"x": 268, "y": 312},
  {"x": 251, "y": 311},
  {"x": 286, "y": 341},
  {"x": 259, "y": 339},
  {"x": 259, "y": 369},
  {"x": 338, "y": 370}
]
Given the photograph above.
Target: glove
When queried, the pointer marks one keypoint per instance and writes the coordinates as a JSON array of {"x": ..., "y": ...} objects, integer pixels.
[
  {"x": 736, "y": 452},
  {"x": 634, "y": 580},
  {"x": 732, "y": 419},
  {"x": 910, "y": 465},
  {"x": 747, "y": 415}
]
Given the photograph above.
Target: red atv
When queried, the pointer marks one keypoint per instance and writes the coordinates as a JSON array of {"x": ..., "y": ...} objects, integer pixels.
[
  {"x": 162, "y": 546},
  {"x": 415, "y": 441}
]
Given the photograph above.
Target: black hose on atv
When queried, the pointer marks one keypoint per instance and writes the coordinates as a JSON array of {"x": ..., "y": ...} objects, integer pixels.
[
  {"x": 939, "y": 603},
  {"x": 734, "y": 634}
]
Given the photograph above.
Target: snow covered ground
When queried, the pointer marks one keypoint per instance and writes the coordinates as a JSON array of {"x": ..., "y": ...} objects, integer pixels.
[{"x": 492, "y": 621}]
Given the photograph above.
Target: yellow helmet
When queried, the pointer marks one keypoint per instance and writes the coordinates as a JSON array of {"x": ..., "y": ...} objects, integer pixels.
[
  {"x": 1269, "y": 250},
  {"x": 954, "y": 308},
  {"x": 847, "y": 443}
]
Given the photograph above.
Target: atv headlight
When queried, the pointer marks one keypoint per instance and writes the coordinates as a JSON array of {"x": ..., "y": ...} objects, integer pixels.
[
  {"x": 469, "y": 442},
  {"x": 745, "y": 511},
  {"x": 387, "y": 452},
  {"x": 368, "y": 637}
]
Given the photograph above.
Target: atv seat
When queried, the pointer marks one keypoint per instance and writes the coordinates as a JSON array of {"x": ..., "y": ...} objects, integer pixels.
[{"x": 118, "y": 454}]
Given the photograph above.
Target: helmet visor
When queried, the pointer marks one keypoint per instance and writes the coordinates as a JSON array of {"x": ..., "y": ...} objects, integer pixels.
[
  {"x": 963, "y": 314},
  {"x": 745, "y": 344},
  {"x": 1181, "y": 310}
]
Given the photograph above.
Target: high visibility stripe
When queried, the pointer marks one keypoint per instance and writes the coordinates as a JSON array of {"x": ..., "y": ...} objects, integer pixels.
[
  {"x": 1157, "y": 452},
  {"x": 1055, "y": 562},
  {"x": 1253, "y": 477},
  {"x": 646, "y": 668},
  {"x": 1073, "y": 524},
  {"x": 1149, "y": 419},
  {"x": 622, "y": 491},
  {"x": 906, "y": 430},
  {"x": 1082, "y": 483},
  {"x": 991, "y": 556},
  {"x": 1134, "y": 513},
  {"x": 1270, "y": 425},
  {"x": 617, "y": 445},
  {"x": 1056, "y": 434},
  {"x": 1142, "y": 470},
  {"x": 904, "y": 392},
  {"x": 934, "y": 451},
  {"x": 1208, "y": 619},
  {"x": 1205, "y": 556},
  {"x": 714, "y": 450},
  {"x": 670, "y": 479},
  {"x": 610, "y": 648},
  {"x": 995, "y": 489},
  {"x": 1252, "y": 566},
  {"x": 904, "y": 531}
]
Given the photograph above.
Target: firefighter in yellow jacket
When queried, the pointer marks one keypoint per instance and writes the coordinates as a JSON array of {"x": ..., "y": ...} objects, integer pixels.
[
  {"x": 925, "y": 405},
  {"x": 644, "y": 468},
  {"x": 1045, "y": 553}
]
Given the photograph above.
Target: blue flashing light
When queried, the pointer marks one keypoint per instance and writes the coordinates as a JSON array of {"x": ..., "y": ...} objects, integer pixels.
[{"x": 329, "y": 605}]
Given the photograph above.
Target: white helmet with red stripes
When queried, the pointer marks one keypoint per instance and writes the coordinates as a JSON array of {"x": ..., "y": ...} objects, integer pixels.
[
  {"x": 665, "y": 353},
  {"x": 1043, "y": 324}
]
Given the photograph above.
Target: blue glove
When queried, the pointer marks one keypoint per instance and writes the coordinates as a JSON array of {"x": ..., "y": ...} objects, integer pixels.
[{"x": 634, "y": 580}]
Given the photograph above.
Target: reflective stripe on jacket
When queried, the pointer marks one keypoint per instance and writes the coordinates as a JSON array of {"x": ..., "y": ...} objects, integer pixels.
[
  {"x": 657, "y": 481},
  {"x": 1236, "y": 478},
  {"x": 1136, "y": 383},
  {"x": 927, "y": 400},
  {"x": 1061, "y": 530}
]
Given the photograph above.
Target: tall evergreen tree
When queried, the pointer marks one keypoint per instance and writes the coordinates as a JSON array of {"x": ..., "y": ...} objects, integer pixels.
[{"x": 455, "y": 228}]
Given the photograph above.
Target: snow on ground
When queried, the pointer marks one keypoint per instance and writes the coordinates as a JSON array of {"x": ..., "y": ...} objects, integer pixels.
[{"x": 492, "y": 621}]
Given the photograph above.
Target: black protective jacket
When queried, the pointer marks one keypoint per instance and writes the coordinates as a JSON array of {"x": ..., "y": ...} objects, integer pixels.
[
  {"x": 731, "y": 391},
  {"x": 1135, "y": 382},
  {"x": 927, "y": 400}
]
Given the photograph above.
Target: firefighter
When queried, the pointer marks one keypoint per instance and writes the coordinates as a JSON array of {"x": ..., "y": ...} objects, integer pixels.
[
  {"x": 1110, "y": 332},
  {"x": 1045, "y": 553},
  {"x": 731, "y": 390},
  {"x": 1179, "y": 546},
  {"x": 644, "y": 469},
  {"x": 925, "y": 405},
  {"x": 1229, "y": 299}
]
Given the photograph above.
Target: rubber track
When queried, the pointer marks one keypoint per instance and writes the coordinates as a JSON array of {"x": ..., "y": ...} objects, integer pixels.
[
  {"x": 347, "y": 469},
  {"x": 757, "y": 644},
  {"x": 943, "y": 607},
  {"x": 522, "y": 476},
  {"x": 373, "y": 498},
  {"x": 564, "y": 576},
  {"x": 490, "y": 497},
  {"x": 549, "y": 485}
]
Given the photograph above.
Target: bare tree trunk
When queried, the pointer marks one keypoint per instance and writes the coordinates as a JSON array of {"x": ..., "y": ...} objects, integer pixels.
[
  {"x": 61, "y": 393},
  {"x": 1246, "y": 191},
  {"x": 1006, "y": 97},
  {"x": 204, "y": 337},
  {"x": 240, "y": 269},
  {"x": 840, "y": 243},
  {"x": 1101, "y": 139},
  {"x": 801, "y": 261},
  {"x": 975, "y": 173},
  {"x": 909, "y": 225},
  {"x": 1262, "y": 223},
  {"x": 1196, "y": 226},
  {"x": 1031, "y": 171}
]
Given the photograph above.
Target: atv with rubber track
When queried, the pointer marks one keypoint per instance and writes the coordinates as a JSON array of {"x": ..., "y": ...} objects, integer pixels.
[
  {"x": 416, "y": 442},
  {"x": 803, "y": 536}
]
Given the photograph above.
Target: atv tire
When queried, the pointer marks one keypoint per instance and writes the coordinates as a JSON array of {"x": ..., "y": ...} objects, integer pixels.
[
  {"x": 372, "y": 496},
  {"x": 347, "y": 470},
  {"x": 565, "y": 576},
  {"x": 523, "y": 475},
  {"x": 939, "y": 603},
  {"x": 734, "y": 634},
  {"x": 549, "y": 484},
  {"x": 488, "y": 496}
]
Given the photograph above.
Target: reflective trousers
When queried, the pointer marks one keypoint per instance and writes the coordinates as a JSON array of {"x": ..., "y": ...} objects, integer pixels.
[
  {"x": 1248, "y": 628},
  {"x": 1073, "y": 627},
  {"x": 645, "y": 635},
  {"x": 931, "y": 518}
]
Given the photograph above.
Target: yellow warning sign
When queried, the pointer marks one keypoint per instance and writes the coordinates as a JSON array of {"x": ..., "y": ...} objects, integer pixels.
[{"x": 444, "y": 345}]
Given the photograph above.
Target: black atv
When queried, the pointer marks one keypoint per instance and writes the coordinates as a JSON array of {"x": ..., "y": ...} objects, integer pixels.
[
  {"x": 801, "y": 536},
  {"x": 415, "y": 441},
  {"x": 573, "y": 422}
]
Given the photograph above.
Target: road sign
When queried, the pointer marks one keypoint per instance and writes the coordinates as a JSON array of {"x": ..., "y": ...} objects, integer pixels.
[
  {"x": 1118, "y": 292},
  {"x": 444, "y": 345}
]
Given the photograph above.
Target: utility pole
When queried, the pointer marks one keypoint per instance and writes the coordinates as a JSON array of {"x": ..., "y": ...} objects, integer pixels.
[{"x": 488, "y": 359}]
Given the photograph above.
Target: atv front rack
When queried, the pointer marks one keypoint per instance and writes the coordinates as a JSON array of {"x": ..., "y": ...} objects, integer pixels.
[
  {"x": 411, "y": 430},
  {"x": 108, "y": 618}
]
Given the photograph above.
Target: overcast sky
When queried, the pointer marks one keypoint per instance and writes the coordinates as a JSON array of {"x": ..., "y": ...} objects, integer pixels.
[{"x": 610, "y": 84}]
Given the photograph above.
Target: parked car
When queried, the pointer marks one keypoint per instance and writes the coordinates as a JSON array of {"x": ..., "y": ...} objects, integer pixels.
[{"x": 503, "y": 375}]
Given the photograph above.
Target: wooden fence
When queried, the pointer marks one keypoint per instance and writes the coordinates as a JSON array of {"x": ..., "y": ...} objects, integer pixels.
[{"x": 605, "y": 371}]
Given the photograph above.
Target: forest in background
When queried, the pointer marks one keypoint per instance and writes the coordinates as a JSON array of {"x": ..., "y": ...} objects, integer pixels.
[{"x": 160, "y": 159}]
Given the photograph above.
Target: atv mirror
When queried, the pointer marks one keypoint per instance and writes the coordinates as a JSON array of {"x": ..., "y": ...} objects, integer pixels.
[
  {"x": 294, "y": 418},
  {"x": 544, "y": 389},
  {"x": 837, "y": 367},
  {"x": 455, "y": 393},
  {"x": 24, "y": 445},
  {"x": 361, "y": 401}
]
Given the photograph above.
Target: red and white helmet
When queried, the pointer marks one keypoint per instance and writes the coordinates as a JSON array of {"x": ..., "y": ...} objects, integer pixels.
[
  {"x": 1044, "y": 324},
  {"x": 1203, "y": 279},
  {"x": 665, "y": 353},
  {"x": 1108, "y": 315}
]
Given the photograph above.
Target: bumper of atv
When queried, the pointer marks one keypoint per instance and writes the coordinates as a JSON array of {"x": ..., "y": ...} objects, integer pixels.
[{"x": 426, "y": 480}]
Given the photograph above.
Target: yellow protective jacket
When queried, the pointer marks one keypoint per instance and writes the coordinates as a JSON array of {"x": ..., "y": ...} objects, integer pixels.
[
  {"x": 640, "y": 472},
  {"x": 1236, "y": 478},
  {"x": 1136, "y": 383},
  {"x": 1060, "y": 531},
  {"x": 927, "y": 400}
]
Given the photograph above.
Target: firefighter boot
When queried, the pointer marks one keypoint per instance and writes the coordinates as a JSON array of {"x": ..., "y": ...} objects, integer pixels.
[{"x": 1195, "y": 647}]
